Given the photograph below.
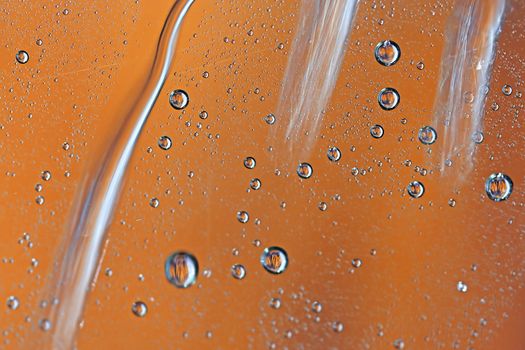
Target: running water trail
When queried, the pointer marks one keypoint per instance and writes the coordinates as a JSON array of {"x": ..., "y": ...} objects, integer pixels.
[
  {"x": 313, "y": 67},
  {"x": 99, "y": 193},
  {"x": 466, "y": 66}
]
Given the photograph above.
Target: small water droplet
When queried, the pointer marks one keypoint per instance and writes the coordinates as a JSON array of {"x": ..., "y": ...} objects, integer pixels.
[
  {"x": 139, "y": 309},
  {"x": 274, "y": 260},
  {"x": 44, "y": 324},
  {"x": 181, "y": 269},
  {"x": 498, "y": 187},
  {"x": 415, "y": 189},
  {"x": 478, "y": 137},
  {"x": 179, "y": 99},
  {"x": 420, "y": 65},
  {"x": 338, "y": 326},
  {"x": 323, "y": 206},
  {"x": 399, "y": 344},
  {"x": 13, "y": 302},
  {"x": 238, "y": 271},
  {"x": 387, "y": 53},
  {"x": 305, "y": 170},
  {"x": 255, "y": 184},
  {"x": 46, "y": 175},
  {"x": 39, "y": 200},
  {"x": 275, "y": 303},
  {"x": 334, "y": 154},
  {"x": 269, "y": 119},
  {"x": 388, "y": 98},
  {"x": 249, "y": 162},
  {"x": 427, "y": 135},
  {"x": 317, "y": 307},
  {"x": 462, "y": 287},
  {"x": 243, "y": 216},
  {"x": 357, "y": 262},
  {"x": 164, "y": 142},
  {"x": 22, "y": 57},
  {"x": 154, "y": 202},
  {"x": 507, "y": 90},
  {"x": 376, "y": 131}
]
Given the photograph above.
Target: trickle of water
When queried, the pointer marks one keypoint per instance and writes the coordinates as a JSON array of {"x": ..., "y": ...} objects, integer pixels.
[
  {"x": 388, "y": 98},
  {"x": 498, "y": 187},
  {"x": 249, "y": 162},
  {"x": 164, "y": 142},
  {"x": 305, "y": 170},
  {"x": 274, "y": 260},
  {"x": 139, "y": 309},
  {"x": 387, "y": 53},
  {"x": 427, "y": 135},
  {"x": 377, "y": 131},
  {"x": 415, "y": 189},
  {"x": 179, "y": 99},
  {"x": 238, "y": 271},
  {"x": 334, "y": 154},
  {"x": 22, "y": 57},
  {"x": 181, "y": 269}
]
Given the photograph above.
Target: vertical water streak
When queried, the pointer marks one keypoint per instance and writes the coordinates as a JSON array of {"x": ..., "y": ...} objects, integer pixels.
[
  {"x": 99, "y": 192},
  {"x": 466, "y": 65},
  {"x": 313, "y": 65}
]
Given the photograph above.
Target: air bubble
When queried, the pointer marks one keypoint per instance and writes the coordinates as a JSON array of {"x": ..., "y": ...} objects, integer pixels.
[
  {"x": 164, "y": 142},
  {"x": 274, "y": 260},
  {"x": 181, "y": 269},
  {"x": 179, "y": 99},
  {"x": 415, "y": 189},
  {"x": 139, "y": 309},
  {"x": 427, "y": 135},
  {"x": 387, "y": 53},
  {"x": 388, "y": 98},
  {"x": 377, "y": 131},
  {"x": 498, "y": 187},
  {"x": 334, "y": 154},
  {"x": 305, "y": 170},
  {"x": 238, "y": 271},
  {"x": 22, "y": 57}
]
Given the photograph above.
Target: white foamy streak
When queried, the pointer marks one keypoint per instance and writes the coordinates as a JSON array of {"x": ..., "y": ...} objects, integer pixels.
[
  {"x": 466, "y": 66},
  {"x": 99, "y": 193},
  {"x": 313, "y": 65}
]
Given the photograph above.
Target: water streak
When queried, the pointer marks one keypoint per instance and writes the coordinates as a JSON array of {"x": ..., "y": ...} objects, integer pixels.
[
  {"x": 466, "y": 65},
  {"x": 313, "y": 65},
  {"x": 99, "y": 193}
]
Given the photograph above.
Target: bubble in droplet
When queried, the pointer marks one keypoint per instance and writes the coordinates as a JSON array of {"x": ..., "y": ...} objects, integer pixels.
[
  {"x": 498, "y": 187},
  {"x": 44, "y": 324},
  {"x": 46, "y": 175},
  {"x": 317, "y": 307},
  {"x": 338, "y": 326},
  {"x": 415, "y": 189},
  {"x": 387, "y": 52},
  {"x": 249, "y": 162},
  {"x": 139, "y": 309},
  {"x": 181, "y": 269},
  {"x": 243, "y": 216},
  {"x": 334, "y": 154},
  {"x": 179, "y": 99},
  {"x": 238, "y": 271},
  {"x": 13, "y": 302},
  {"x": 274, "y": 260},
  {"x": 275, "y": 303},
  {"x": 376, "y": 131},
  {"x": 399, "y": 344},
  {"x": 305, "y": 170},
  {"x": 22, "y": 57},
  {"x": 255, "y": 184},
  {"x": 164, "y": 142},
  {"x": 388, "y": 98},
  {"x": 427, "y": 135},
  {"x": 154, "y": 202},
  {"x": 269, "y": 119},
  {"x": 478, "y": 137},
  {"x": 507, "y": 90},
  {"x": 462, "y": 287}
]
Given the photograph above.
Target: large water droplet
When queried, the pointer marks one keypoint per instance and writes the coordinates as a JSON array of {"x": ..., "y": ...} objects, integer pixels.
[
  {"x": 305, "y": 170},
  {"x": 387, "y": 53},
  {"x": 274, "y": 260},
  {"x": 22, "y": 57},
  {"x": 427, "y": 135},
  {"x": 179, "y": 99},
  {"x": 334, "y": 154},
  {"x": 388, "y": 98},
  {"x": 249, "y": 162},
  {"x": 498, "y": 187},
  {"x": 415, "y": 189},
  {"x": 377, "y": 131},
  {"x": 181, "y": 269}
]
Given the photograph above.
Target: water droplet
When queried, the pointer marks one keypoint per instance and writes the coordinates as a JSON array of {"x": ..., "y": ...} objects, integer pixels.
[
  {"x": 274, "y": 260},
  {"x": 44, "y": 324},
  {"x": 427, "y": 135},
  {"x": 452, "y": 202},
  {"x": 275, "y": 303},
  {"x": 377, "y": 131},
  {"x": 305, "y": 170},
  {"x": 238, "y": 271},
  {"x": 388, "y": 98},
  {"x": 139, "y": 309},
  {"x": 269, "y": 119},
  {"x": 323, "y": 206},
  {"x": 46, "y": 175},
  {"x": 154, "y": 202},
  {"x": 478, "y": 137},
  {"x": 338, "y": 326},
  {"x": 39, "y": 42},
  {"x": 498, "y": 187},
  {"x": 507, "y": 90},
  {"x": 415, "y": 189},
  {"x": 387, "y": 52},
  {"x": 249, "y": 162},
  {"x": 164, "y": 142},
  {"x": 13, "y": 302},
  {"x": 203, "y": 115},
  {"x": 317, "y": 307},
  {"x": 179, "y": 99},
  {"x": 420, "y": 65},
  {"x": 39, "y": 200},
  {"x": 22, "y": 57},
  {"x": 181, "y": 269},
  {"x": 462, "y": 287},
  {"x": 334, "y": 154},
  {"x": 255, "y": 184},
  {"x": 399, "y": 344},
  {"x": 357, "y": 262},
  {"x": 243, "y": 216}
]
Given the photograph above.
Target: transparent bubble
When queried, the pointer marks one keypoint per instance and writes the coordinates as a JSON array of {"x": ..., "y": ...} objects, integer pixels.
[
  {"x": 427, "y": 135},
  {"x": 305, "y": 170},
  {"x": 507, "y": 90},
  {"x": 46, "y": 175},
  {"x": 181, "y": 269},
  {"x": 376, "y": 131},
  {"x": 139, "y": 309},
  {"x": 179, "y": 99},
  {"x": 255, "y": 184},
  {"x": 415, "y": 189},
  {"x": 274, "y": 260},
  {"x": 22, "y": 57},
  {"x": 388, "y": 98},
  {"x": 478, "y": 137},
  {"x": 387, "y": 53},
  {"x": 243, "y": 216},
  {"x": 154, "y": 202},
  {"x": 334, "y": 154},
  {"x": 338, "y": 326},
  {"x": 498, "y": 187},
  {"x": 164, "y": 142},
  {"x": 269, "y": 119},
  {"x": 238, "y": 271},
  {"x": 462, "y": 287},
  {"x": 13, "y": 303},
  {"x": 249, "y": 162}
]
